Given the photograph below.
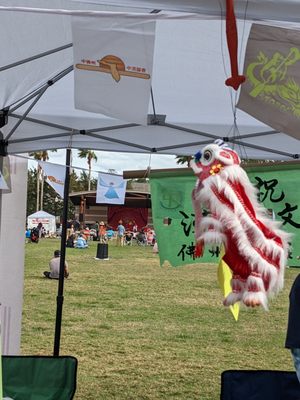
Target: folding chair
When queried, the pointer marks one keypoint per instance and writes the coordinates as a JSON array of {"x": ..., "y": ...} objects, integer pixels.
[
  {"x": 39, "y": 377},
  {"x": 259, "y": 385}
]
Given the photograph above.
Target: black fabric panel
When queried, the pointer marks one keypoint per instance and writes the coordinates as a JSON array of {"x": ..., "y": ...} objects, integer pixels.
[{"x": 259, "y": 385}]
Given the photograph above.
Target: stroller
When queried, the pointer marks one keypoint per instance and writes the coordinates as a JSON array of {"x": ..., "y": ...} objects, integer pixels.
[{"x": 34, "y": 235}]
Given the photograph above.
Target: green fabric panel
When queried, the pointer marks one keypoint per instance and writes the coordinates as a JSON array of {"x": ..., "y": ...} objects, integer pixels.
[
  {"x": 39, "y": 378},
  {"x": 171, "y": 198},
  {"x": 279, "y": 191}
]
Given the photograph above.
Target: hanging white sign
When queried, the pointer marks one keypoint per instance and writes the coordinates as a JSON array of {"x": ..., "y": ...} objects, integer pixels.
[
  {"x": 111, "y": 189},
  {"x": 55, "y": 176},
  {"x": 113, "y": 62}
]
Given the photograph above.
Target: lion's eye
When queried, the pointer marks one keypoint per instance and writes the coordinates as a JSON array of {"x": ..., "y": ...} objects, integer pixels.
[{"x": 207, "y": 155}]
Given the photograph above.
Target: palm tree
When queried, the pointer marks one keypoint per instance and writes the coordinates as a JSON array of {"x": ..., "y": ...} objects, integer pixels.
[
  {"x": 40, "y": 156},
  {"x": 90, "y": 156},
  {"x": 184, "y": 160}
]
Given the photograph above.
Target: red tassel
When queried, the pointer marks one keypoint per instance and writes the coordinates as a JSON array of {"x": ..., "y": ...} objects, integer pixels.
[
  {"x": 198, "y": 250},
  {"x": 232, "y": 42}
]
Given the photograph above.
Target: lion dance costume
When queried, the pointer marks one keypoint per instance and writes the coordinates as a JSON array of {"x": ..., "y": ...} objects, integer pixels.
[{"x": 255, "y": 248}]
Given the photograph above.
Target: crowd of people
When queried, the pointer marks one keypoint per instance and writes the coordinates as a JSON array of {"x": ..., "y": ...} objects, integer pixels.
[
  {"x": 123, "y": 234},
  {"x": 103, "y": 233}
]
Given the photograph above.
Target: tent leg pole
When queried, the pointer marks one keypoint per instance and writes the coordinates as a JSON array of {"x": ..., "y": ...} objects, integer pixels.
[{"x": 60, "y": 290}]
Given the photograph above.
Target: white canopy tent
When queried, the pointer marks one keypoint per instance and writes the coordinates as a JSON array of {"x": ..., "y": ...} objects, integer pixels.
[
  {"x": 46, "y": 219},
  {"x": 190, "y": 105}
]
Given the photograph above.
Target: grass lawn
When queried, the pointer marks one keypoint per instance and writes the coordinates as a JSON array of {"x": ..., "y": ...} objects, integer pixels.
[{"x": 145, "y": 332}]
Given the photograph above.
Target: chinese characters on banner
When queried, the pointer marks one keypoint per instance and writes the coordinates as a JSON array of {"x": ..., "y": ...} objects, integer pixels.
[
  {"x": 173, "y": 214},
  {"x": 270, "y": 93},
  {"x": 173, "y": 218}
]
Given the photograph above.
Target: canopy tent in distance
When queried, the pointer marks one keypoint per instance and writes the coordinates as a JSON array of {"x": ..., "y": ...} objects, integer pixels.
[{"x": 42, "y": 217}]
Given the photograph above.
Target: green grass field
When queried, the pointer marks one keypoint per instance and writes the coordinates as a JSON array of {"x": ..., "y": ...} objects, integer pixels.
[{"x": 141, "y": 331}]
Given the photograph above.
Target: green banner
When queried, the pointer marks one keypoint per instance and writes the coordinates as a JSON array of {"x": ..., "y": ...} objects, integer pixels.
[{"x": 173, "y": 214}]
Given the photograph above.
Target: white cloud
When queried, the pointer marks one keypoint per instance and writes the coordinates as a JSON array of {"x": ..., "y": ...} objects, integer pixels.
[{"x": 115, "y": 160}]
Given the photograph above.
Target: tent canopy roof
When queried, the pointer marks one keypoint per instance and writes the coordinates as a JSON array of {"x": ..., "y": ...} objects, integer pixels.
[
  {"x": 191, "y": 104},
  {"x": 41, "y": 214}
]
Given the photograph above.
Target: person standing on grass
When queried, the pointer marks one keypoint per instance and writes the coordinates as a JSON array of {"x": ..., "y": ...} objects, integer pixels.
[
  {"x": 292, "y": 341},
  {"x": 54, "y": 265},
  {"x": 102, "y": 232},
  {"x": 120, "y": 233}
]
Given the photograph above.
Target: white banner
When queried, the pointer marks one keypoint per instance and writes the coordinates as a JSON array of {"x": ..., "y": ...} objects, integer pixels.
[
  {"x": 111, "y": 189},
  {"x": 113, "y": 61},
  {"x": 3, "y": 184},
  {"x": 272, "y": 69},
  {"x": 12, "y": 237},
  {"x": 55, "y": 176}
]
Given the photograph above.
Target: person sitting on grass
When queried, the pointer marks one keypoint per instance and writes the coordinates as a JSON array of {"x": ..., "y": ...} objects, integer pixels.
[
  {"x": 70, "y": 241},
  {"x": 81, "y": 242},
  {"x": 54, "y": 265}
]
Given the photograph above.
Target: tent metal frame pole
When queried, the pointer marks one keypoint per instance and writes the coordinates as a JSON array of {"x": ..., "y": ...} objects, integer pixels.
[
  {"x": 61, "y": 74},
  {"x": 191, "y": 144},
  {"x": 257, "y": 134},
  {"x": 40, "y": 55},
  {"x": 33, "y": 94},
  {"x": 26, "y": 112},
  {"x": 60, "y": 290},
  {"x": 189, "y": 130},
  {"x": 41, "y": 122},
  {"x": 46, "y": 123},
  {"x": 74, "y": 131},
  {"x": 243, "y": 144},
  {"x": 111, "y": 128},
  {"x": 253, "y": 146},
  {"x": 58, "y": 135},
  {"x": 153, "y": 104},
  {"x": 121, "y": 142}
]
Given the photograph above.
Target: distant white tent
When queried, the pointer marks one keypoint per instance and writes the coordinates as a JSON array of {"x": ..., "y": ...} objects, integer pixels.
[{"x": 45, "y": 218}]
